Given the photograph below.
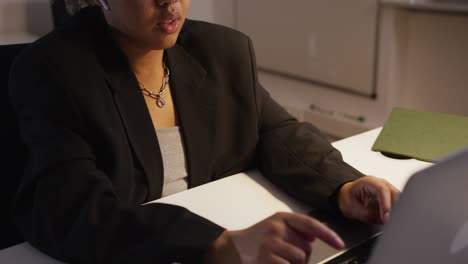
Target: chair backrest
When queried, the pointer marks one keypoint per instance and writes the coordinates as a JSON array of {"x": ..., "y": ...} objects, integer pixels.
[
  {"x": 14, "y": 151},
  {"x": 59, "y": 13}
]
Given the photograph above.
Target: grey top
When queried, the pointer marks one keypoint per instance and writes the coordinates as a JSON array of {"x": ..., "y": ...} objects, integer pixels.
[{"x": 173, "y": 156}]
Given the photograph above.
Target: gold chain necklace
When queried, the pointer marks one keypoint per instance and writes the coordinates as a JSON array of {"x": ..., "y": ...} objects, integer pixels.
[{"x": 160, "y": 102}]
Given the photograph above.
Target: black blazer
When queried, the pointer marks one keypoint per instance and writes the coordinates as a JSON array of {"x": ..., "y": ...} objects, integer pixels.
[{"x": 94, "y": 156}]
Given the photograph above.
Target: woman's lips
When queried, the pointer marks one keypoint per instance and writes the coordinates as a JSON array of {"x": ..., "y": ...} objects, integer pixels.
[{"x": 169, "y": 26}]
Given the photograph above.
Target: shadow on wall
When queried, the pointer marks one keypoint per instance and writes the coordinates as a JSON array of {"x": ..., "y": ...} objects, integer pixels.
[{"x": 30, "y": 16}]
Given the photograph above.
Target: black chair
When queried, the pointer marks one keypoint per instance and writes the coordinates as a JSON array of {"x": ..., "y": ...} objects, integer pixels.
[
  {"x": 59, "y": 13},
  {"x": 14, "y": 151}
]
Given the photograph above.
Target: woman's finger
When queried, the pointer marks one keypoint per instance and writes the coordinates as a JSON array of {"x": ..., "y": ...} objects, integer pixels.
[
  {"x": 385, "y": 202},
  {"x": 289, "y": 252},
  {"x": 310, "y": 227},
  {"x": 395, "y": 194},
  {"x": 275, "y": 259},
  {"x": 298, "y": 240}
]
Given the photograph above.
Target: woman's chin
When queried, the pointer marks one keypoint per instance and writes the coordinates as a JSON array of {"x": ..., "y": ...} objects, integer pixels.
[{"x": 165, "y": 43}]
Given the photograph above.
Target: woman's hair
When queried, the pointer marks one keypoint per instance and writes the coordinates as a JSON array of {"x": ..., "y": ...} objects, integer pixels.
[{"x": 74, "y": 6}]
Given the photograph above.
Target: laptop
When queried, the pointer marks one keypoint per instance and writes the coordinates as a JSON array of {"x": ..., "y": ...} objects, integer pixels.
[{"x": 429, "y": 223}]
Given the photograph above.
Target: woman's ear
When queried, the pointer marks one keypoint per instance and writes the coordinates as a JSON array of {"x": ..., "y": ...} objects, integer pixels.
[{"x": 104, "y": 5}]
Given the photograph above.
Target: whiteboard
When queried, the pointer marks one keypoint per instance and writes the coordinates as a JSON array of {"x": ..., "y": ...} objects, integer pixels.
[{"x": 329, "y": 42}]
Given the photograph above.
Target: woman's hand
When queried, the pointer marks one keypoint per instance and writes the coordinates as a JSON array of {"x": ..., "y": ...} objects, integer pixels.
[
  {"x": 369, "y": 199},
  {"x": 280, "y": 238}
]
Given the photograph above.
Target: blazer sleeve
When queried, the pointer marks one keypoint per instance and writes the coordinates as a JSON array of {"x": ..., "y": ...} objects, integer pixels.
[
  {"x": 296, "y": 156},
  {"x": 66, "y": 206}
]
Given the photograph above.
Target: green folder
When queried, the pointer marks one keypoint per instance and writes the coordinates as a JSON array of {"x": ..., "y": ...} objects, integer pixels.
[{"x": 422, "y": 135}]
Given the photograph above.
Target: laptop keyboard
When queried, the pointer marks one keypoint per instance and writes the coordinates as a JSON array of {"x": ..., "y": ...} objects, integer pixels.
[
  {"x": 357, "y": 255},
  {"x": 358, "y": 260}
]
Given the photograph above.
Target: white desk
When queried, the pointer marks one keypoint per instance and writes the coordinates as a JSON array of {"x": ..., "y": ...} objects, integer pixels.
[
  {"x": 357, "y": 152},
  {"x": 244, "y": 199},
  {"x": 17, "y": 38}
]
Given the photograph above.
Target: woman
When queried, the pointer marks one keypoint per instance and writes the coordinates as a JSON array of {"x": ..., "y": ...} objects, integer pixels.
[{"x": 128, "y": 102}]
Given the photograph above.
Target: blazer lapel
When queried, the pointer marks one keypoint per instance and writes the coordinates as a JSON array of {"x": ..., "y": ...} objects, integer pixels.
[
  {"x": 195, "y": 102},
  {"x": 134, "y": 113}
]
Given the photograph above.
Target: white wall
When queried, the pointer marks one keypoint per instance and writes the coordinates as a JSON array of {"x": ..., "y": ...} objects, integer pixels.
[
  {"x": 423, "y": 61},
  {"x": 328, "y": 41},
  {"x": 25, "y": 16},
  {"x": 422, "y": 64},
  {"x": 214, "y": 11},
  {"x": 436, "y": 63}
]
